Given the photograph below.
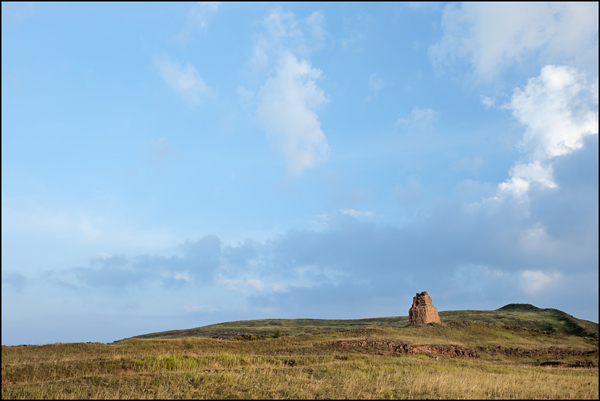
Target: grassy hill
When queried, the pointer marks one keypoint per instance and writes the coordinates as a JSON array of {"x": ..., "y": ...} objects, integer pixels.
[
  {"x": 513, "y": 315},
  {"x": 518, "y": 351}
]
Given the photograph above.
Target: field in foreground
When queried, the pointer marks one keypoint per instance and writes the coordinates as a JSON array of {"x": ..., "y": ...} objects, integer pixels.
[{"x": 455, "y": 359}]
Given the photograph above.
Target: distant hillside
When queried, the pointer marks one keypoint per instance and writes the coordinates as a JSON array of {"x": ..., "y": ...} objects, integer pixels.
[{"x": 512, "y": 315}]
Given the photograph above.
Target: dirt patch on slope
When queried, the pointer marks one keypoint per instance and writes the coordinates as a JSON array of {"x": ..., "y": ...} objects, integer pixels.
[
  {"x": 398, "y": 348},
  {"x": 558, "y": 352}
]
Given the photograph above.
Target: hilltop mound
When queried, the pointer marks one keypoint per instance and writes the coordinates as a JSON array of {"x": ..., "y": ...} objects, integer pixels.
[
  {"x": 554, "y": 319},
  {"x": 519, "y": 307},
  {"x": 525, "y": 316}
]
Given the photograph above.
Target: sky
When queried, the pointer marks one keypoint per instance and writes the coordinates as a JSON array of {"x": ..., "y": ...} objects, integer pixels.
[{"x": 173, "y": 165}]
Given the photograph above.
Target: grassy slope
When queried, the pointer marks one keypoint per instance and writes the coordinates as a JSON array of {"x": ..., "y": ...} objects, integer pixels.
[
  {"x": 512, "y": 315},
  {"x": 308, "y": 366},
  {"x": 518, "y": 349}
]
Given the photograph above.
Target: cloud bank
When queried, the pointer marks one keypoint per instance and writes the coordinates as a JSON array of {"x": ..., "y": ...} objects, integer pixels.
[{"x": 495, "y": 36}]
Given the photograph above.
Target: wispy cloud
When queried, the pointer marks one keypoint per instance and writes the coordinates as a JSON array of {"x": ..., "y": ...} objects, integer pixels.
[
  {"x": 534, "y": 281},
  {"x": 197, "y": 19},
  {"x": 375, "y": 85},
  {"x": 354, "y": 31},
  {"x": 315, "y": 23},
  {"x": 198, "y": 263},
  {"x": 83, "y": 228},
  {"x": 419, "y": 119},
  {"x": 494, "y": 36},
  {"x": 184, "y": 80},
  {"x": 487, "y": 101},
  {"x": 283, "y": 32},
  {"x": 289, "y": 99},
  {"x": 242, "y": 283},
  {"x": 357, "y": 213},
  {"x": 287, "y": 109}
]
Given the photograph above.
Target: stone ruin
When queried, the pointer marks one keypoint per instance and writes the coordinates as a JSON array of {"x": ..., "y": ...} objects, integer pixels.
[{"x": 422, "y": 310}]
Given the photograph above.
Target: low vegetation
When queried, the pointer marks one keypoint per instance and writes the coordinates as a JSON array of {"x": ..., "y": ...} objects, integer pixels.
[
  {"x": 512, "y": 315},
  {"x": 473, "y": 358}
]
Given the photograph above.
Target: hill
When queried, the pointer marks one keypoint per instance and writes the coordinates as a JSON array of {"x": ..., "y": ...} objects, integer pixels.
[
  {"x": 470, "y": 355},
  {"x": 523, "y": 316}
]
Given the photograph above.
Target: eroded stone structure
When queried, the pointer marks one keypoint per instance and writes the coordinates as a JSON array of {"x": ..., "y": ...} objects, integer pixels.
[{"x": 422, "y": 310}]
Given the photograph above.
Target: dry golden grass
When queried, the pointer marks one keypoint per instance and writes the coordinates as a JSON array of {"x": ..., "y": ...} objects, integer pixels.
[{"x": 297, "y": 367}]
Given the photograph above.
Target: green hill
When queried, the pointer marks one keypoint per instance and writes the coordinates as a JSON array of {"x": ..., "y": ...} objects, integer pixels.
[{"x": 524, "y": 316}]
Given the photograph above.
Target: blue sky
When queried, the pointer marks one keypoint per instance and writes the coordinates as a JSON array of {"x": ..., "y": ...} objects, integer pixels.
[{"x": 171, "y": 165}]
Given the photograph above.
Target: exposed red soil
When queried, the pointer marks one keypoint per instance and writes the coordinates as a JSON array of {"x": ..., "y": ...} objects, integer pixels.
[
  {"x": 538, "y": 351},
  {"x": 399, "y": 348}
]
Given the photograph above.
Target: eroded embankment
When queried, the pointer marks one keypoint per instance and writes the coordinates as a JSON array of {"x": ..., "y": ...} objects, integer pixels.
[
  {"x": 558, "y": 352},
  {"x": 399, "y": 348}
]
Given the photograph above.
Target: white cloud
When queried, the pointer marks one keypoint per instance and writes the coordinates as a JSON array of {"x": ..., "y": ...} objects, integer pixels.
[
  {"x": 197, "y": 19},
  {"x": 198, "y": 15},
  {"x": 182, "y": 276},
  {"x": 559, "y": 108},
  {"x": 534, "y": 239},
  {"x": 198, "y": 308},
  {"x": 375, "y": 85},
  {"x": 375, "y": 82},
  {"x": 315, "y": 25},
  {"x": 420, "y": 119},
  {"x": 284, "y": 33},
  {"x": 487, "y": 101},
  {"x": 289, "y": 99},
  {"x": 279, "y": 287},
  {"x": 183, "y": 80},
  {"x": 522, "y": 176},
  {"x": 242, "y": 283},
  {"x": 493, "y": 36},
  {"x": 287, "y": 111},
  {"x": 422, "y": 6},
  {"x": 534, "y": 281},
  {"x": 356, "y": 213},
  {"x": 103, "y": 255}
]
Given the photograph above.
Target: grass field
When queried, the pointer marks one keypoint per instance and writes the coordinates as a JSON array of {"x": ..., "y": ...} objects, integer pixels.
[{"x": 455, "y": 359}]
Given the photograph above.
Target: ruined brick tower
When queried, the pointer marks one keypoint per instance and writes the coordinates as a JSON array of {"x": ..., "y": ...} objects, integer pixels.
[{"x": 422, "y": 310}]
